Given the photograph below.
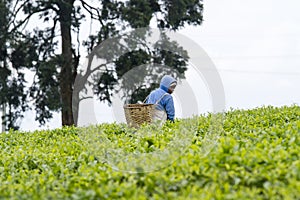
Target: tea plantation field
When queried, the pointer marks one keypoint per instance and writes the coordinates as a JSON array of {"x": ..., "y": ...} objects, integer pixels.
[{"x": 252, "y": 154}]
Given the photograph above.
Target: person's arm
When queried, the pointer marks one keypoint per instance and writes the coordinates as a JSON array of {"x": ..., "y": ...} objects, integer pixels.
[{"x": 170, "y": 108}]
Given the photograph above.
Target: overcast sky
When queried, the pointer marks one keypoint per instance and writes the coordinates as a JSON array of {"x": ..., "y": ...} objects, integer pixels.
[{"x": 255, "y": 45}]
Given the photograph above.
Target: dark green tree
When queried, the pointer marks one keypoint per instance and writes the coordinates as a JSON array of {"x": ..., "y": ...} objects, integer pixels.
[
  {"x": 16, "y": 53},
  {"x": 55, "y": 55}
]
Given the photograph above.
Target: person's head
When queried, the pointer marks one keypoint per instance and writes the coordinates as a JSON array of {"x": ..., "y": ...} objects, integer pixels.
[{"x": 168, "y": 84}]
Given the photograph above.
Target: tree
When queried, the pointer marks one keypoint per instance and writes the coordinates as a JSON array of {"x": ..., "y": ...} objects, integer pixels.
[
  {"x": 15, "y": 55},
  {"x": 55, "y": 73}
]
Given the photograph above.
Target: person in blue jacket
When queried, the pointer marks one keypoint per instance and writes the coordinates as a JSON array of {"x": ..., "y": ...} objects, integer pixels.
[{"x": 162, "y": 95}]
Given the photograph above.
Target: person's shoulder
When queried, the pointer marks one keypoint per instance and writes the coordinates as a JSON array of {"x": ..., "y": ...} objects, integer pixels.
[
  {"x": 154, "y": 91},
  {"x": 158, "y": 91},
  {"x": 167, "y": 97}
]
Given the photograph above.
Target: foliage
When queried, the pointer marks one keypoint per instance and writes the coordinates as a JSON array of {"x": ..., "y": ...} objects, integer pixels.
[
  {"x": 256, "y": 157},
  {"x": 15, "y": 55}
]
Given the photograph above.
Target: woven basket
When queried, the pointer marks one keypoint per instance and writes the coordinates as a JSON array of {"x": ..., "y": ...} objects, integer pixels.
[{"x": 137, "y": 114}]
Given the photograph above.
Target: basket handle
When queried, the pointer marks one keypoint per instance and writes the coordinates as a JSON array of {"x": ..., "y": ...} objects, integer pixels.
[
  {"x": 161, "y": 98},
  {"x": 146, "y": 98}
]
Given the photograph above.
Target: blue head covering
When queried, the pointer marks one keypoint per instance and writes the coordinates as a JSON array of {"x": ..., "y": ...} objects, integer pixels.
[{"x": 166, "y": 81}]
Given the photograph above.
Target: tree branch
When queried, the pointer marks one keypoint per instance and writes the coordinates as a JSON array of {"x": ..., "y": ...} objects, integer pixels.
[
  {"x": 27, "y": 18},
  {"x": 53, "y": 28},
  {"x": 89, "y": 9}
]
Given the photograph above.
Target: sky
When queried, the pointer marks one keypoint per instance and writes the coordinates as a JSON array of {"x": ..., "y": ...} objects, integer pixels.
[{"x": 255, "y": 46}]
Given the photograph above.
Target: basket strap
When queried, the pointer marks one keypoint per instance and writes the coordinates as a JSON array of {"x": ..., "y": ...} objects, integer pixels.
[
  {"x": 146, "y": 98},
  {"x": 161, "y": 98}
]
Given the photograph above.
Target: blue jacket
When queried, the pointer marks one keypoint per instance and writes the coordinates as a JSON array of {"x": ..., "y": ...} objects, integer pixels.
[{"x": 167, "y": 101}]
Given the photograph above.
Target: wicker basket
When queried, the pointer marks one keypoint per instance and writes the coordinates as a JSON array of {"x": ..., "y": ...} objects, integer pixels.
[{"x": 137, "y": 114}]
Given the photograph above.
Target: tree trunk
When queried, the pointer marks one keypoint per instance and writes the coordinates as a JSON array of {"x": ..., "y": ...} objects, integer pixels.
[
  {"x": 3, "y": 118},
  {"x": 66, "y": 74}
]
